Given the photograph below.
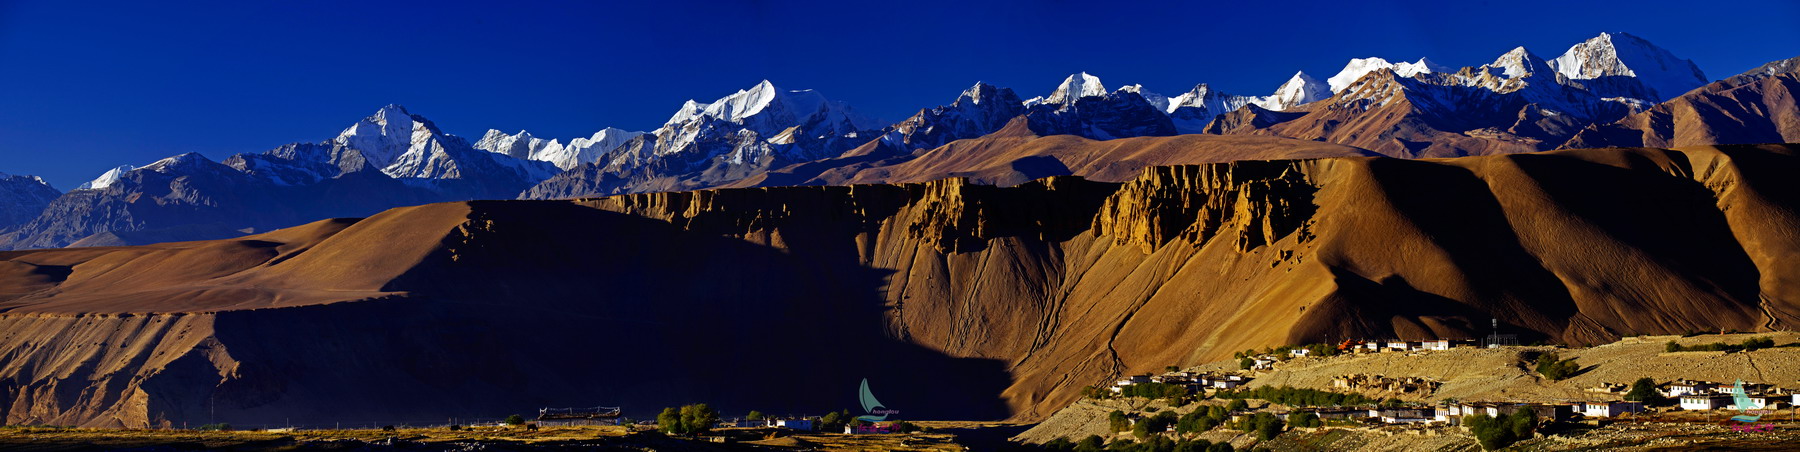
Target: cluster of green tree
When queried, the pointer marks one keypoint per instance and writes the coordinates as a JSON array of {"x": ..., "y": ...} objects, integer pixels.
[
  {"x": 1117, "y": 421},
  {"x": 1203, "y": 419},
  {"x": 1153, "y": 390},
  {"x": 755, "y": 415},
  {"x": 1644, "y": 390},
  {"x": 513, "y": 420},
  {"x": 687, "y": 420},
  {"x": 1497, "y": 432},
  {"x": 1264, "y": 425},
  {"x": 1304, "y": 419},
  {"x": 219, "y": 427},
  {"x": 1158, "y": 444},
  {"x": 1154, "y": 425},
  {"x": 1751, "y": 344},
  {"x": 835, "y": 421},
  {"x": 1291, "y": 396},
  {"x": 1554, "y": 367}
]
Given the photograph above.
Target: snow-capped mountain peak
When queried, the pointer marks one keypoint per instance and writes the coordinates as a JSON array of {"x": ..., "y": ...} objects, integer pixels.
[
  {"x": 1359, "y": 67},
  {"x": 171, "y": 163},
  {"x": 1519, "y": 62},
  {"x": 1161, "y": 102},
  {"x": 1301, "y": 89},
  {"x": 975, "y": 94},
  {"x": 1075, "y": 87},
  {"x": 106, "y": 179},
  {"x": 579, "y": 150},
  {"x": 744, "y": 103},
  {"x": 385, "y": 135},
  {"x": 1614, "y": 54}
]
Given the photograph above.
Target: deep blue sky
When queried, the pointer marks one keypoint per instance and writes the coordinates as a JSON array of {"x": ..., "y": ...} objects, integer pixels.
[{"x": 88, "y": 86}]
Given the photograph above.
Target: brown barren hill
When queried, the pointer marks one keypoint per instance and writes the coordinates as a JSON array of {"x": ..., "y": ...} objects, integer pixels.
[
  {"x": 1014, "y": 155},
  {"x": 1754, "y": 107},
  {"x": 954, "y": 299}
]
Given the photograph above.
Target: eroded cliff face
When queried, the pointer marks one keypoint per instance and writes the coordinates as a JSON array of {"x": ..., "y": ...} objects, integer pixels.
[
  {"x": 956, "y": 300},
  {"x": 1258, "y": 202}
]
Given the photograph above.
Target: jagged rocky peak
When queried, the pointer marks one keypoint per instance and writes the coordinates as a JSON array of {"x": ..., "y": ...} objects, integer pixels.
[
  {"x": 1774, "y": 67},
  {"x": 1076, "y": 87},
  {"x": 1301, "y": 89},
  {"x": 769, "y": 110},
  {"x": 1160, "y": 101},
  {"x": 579, "y": 150},
  {"x": 1520, "y": 62},
  {"x": 983, "y": 93},
  {"x": 519, "y": 145},
  {"x": 1614, "y": 54},
  {"x": 385, "y": 135},
  {"x": 1359, "y": 67}
]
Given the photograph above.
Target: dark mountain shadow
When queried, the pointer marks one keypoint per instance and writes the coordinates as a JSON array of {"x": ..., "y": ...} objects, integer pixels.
[{"x": 554, "y": 304}]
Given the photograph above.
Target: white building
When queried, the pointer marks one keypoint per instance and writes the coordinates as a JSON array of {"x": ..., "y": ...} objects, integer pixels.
[
  {"x": 1610, "y": 409},
  {"x": 1398, "y": 345},
  {"x": 1227, "y": 384},
  {"x": 1440, "y": 344},
  {"x": 1757, "y": 402},
  {"x": 1686, "y": 387},
  {"x": 1298, "y": 352},
  {"x": 1704, "y": 401},
  {"x": 796, "y": 424}
]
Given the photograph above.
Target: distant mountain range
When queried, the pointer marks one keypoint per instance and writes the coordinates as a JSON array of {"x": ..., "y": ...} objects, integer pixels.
[{"x": 1612, "y": 90}]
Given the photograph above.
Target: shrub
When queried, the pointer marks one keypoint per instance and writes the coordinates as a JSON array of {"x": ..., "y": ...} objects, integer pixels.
[
  {"x": 1304, "y": 419},
  {"x": 1117, "y": 421},
  {"x": 1154, "y": 425},
  {"x": 754, "y": 415},
  {"x": 1092, "y": 443},
  {"x": 1220, "y": 447},
  {"x": 1266, "y": 426},
  {"x": 1237, "y": 405},
  {"x": 1644, "y": 390},
  {"x": 1751, "y": 344},
  {"x": 1553, "y": 367},
  {"x": 1197, "y": 445},
  {"x": 1246, "y": 363},
  {"x": 1202, "y": 419},
  {"x": 514, "y": 420},
  {"x": 688, "y": 419},
  {"x": 1495, "y": 433}
]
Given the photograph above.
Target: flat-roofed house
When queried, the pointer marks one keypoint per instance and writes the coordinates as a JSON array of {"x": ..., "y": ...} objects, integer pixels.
[
  {"x": 1704, "y": 401},
  {"x": 1610, "y": 408}
]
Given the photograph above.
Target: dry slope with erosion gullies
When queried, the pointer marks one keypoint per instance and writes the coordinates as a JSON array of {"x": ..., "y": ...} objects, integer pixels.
[{"x": 955, "y": 300}]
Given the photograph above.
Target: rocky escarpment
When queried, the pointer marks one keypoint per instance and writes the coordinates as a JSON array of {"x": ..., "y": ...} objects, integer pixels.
[
  {"x": 1257, "y": 201},
  {"x": 955, "y": 300}
]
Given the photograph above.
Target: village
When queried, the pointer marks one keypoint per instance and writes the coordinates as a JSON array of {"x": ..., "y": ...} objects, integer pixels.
[{"x": 1150, "y": 407}]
